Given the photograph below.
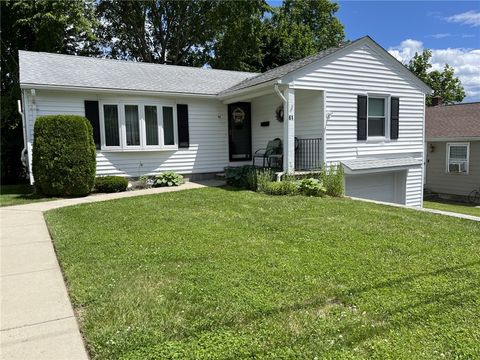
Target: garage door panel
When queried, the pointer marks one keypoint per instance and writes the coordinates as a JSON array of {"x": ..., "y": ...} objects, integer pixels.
[{"x": 379, "y": 187}]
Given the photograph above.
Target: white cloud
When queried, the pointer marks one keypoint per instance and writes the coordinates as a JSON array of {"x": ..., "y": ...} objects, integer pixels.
[
  {"x": 440, "y": 36},
  {"x": 467, "y": 18},
  {"x": 466, "y": 63}
]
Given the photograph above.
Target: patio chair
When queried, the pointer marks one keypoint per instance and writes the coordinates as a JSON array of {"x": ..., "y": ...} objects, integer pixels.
[{"x": 272, "y": 153}]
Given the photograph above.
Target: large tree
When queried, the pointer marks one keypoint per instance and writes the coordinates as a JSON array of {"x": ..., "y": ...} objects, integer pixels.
[
  {"x": 236, "y": 35},
  {"x": 444, "y": 83},
  {"x": 40, "y": 25},
  {"x": 159, "y": 31},
  {"x": 300, "y": 28}
]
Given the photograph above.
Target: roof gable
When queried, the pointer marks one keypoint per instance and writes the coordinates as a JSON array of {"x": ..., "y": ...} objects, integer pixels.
[{"x": 289, "y": 72}]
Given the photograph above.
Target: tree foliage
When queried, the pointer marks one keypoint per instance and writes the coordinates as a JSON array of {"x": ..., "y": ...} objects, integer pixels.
[
  {"x": 246, "y": 35},
  {"x": 40, "y": 25},
  {"x": 444, "y": 83},
  {"x": 236, "y": 35},
  {"x": 160, "y": 31}
]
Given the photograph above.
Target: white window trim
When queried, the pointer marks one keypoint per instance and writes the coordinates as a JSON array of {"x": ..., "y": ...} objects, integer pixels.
[
  {"x": 102, "y": 126},
  {"x": 175, "y": 128},
  {"x": 143, "y": 136},
  {"x": 141, "y": 129},
  {"x": 447, "y": 157},
  {"x": 385, "y": 97}
]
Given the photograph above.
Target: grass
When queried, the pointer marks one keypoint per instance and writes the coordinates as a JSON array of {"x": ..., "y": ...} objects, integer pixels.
[
  {"x": 219, "y": 274},
  {"x": 457, "y": 207},
  {"x": 20, "y": 194}
]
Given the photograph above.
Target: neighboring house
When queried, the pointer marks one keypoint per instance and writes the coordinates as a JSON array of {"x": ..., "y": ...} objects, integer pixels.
[
  {"x": 453, "y": 148},
  {"x": 353, "y": 104}
]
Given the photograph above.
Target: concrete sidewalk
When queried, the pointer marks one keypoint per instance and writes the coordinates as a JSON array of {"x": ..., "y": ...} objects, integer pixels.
[
  {"x": 434, "y": 211},
  {"x": 37, "y": 319}
]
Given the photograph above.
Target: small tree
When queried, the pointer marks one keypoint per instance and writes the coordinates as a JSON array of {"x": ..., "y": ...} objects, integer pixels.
[
  {"x": 444, "y": 83},
  {"x": 64, "y": 153}
]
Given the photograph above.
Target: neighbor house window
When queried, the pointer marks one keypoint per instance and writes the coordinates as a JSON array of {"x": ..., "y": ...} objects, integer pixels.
[
  {"x": 138, "y": 125},
  {"x": 111, "y": 125},
  {"x": 376, "y": 116},
  {"x": 457, "y": 157}
]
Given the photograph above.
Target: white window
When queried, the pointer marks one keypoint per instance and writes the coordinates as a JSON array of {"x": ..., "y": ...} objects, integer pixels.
[
  {"x": 377, "y": 117},
  {"x": 111, "y": 125},
  {"x": 138, "y": 126},
  {"x": 458, "y": 157}
]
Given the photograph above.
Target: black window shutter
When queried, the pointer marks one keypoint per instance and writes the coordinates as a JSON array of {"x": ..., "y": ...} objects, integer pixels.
[
  {"x": 182, "y": 121},
  {"x": 362, "y": 117},
  {"x": 91, "y": 113},
  {"x": 394, "y": 109}
]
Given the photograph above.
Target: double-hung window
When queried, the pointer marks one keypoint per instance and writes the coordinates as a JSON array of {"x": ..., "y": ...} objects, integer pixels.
[
  {"x": 111, "y": 126},
  {"x": 138, "y": 126},
  {"x": 458, "y": 157},
  {"x": 377, "y": 116}
]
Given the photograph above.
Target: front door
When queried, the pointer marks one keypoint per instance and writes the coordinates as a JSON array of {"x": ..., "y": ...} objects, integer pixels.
[{"x": 240, "y": 131}]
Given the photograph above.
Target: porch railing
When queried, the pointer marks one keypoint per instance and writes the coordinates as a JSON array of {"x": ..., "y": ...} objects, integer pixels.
[{"x": 308, "y": 154}]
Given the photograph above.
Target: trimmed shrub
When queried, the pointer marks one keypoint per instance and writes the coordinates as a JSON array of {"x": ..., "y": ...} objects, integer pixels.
[
  {"x": 333, "y": 180},
  {"x": 64, "y": 153},
  {"x": 168, "y": 178},
  {"x": 111, "y": 184},
  {"x": 280, "y": 188},
  {"x": 311, "y": 187}
]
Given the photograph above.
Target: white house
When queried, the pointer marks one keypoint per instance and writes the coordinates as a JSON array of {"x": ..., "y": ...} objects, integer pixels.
[{"x": 354, "y": 104}]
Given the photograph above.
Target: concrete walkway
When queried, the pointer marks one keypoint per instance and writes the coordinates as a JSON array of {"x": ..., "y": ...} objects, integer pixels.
[
  {"x": 37, "y": 320},
  {"x": 434, "y": 211}
]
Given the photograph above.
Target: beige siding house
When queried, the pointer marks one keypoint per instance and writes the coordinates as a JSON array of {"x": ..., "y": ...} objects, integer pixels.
[{"x": 453, "y": 149}]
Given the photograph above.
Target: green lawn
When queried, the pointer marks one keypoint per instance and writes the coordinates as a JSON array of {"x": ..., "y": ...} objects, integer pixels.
[
  {"x": 462, "y": 208},
  {"x": 220, "y": 274},
  {"x": 20, "y": 194}
]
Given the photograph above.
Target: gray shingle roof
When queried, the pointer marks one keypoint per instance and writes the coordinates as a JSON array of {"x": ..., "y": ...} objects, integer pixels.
[
  {"x": 283, "y": 70},
  {"x": 78, "y": 71},
  {"x": 369, "y": 163}
]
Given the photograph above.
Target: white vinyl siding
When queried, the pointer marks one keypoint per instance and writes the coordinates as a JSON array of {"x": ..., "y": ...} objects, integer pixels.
[
  {"x": 208, "y": 128},
  {"x": 308, "y": 118},
  {"x": 363, "y": 71}
]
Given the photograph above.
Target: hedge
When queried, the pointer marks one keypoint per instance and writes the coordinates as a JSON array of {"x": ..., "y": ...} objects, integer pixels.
[
  {"x": 110, "y": 184},
  {"x": 64, "y": 154}
]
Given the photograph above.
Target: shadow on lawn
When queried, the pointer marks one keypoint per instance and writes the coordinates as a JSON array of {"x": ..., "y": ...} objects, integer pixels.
[{"x": 377, "y": 322}]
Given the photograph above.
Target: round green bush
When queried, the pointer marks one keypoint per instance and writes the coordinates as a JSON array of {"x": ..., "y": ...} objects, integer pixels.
[
  {"x": 63, "y": 162},
  {"x": 110, "y": 184}
]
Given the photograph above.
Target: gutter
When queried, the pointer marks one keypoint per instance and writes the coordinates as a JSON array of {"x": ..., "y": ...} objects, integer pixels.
[{"x": 114, "y": 91}]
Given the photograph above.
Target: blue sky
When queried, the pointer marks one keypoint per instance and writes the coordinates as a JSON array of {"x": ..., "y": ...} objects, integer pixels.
[{"x": 451, "y": 29}]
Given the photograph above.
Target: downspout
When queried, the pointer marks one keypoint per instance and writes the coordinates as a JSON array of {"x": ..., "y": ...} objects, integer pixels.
[
  {"x": 22, "y": 154},
  {"x": 280, "y": 95}
]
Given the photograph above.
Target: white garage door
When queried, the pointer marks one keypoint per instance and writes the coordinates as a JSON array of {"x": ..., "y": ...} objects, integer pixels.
[{"x": 385, "y": 186}]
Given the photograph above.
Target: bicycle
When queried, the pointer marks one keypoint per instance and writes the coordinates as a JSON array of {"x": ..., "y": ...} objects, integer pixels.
[{"x": 474, "y": 196}]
